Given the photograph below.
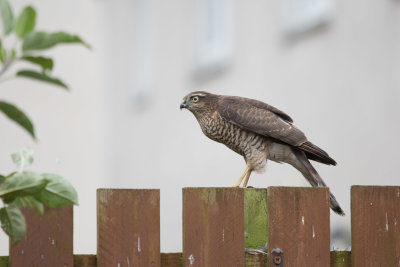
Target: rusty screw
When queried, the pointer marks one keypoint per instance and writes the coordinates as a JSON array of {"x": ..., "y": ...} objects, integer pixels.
[
  {"x": 277, "y": 256},
  {"x": 277, "y": 260}
]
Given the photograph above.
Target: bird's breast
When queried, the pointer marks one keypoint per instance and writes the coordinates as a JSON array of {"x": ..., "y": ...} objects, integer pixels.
[{"x": 248, "y": 144}]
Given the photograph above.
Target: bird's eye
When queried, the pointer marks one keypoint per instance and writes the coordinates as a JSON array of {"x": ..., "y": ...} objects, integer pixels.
[{"x": 195, "y": 99}]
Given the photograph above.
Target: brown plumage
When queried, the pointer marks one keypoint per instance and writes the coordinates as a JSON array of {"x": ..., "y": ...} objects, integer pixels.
[{"x": 258, "y": 132}]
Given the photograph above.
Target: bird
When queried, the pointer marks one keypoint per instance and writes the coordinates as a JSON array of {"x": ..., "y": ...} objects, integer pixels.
[{"x": 258, "y": 132}]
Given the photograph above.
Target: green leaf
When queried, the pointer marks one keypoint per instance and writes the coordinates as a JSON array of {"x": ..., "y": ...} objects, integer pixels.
[
  {"x": 41, "y": 77},
  {"x": 13, "y": 54},
  {"x": 11, "y": 174},
  {"x": 28, "y": 201},
  {"x": 23, "y": 158},
  {"x": 7, "y": 16},
  {"x": 3, "y": 54},
  {"x": 43, "y": 40},
  {"x": 1, "y": 51},
  {"x": 20, "y": 185},
  {"x": 3, "y": 178},
  {"x": 17, "y": 116},
  {"x": 25, "y": 22},
  {"x": 13, "y": 223},
  {"x": 58, "y": 192},
  {"x": 45, "y": 62}
]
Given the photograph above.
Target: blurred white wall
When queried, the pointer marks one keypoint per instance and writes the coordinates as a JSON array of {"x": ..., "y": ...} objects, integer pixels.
[{"x": 120, "y": 126}]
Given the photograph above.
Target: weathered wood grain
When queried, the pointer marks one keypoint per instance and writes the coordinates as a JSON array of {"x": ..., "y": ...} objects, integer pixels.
[
  {"x": 298, "y": 224},
  {"x": 338, "y": 259},
  {"x": 128, "y": 224},
  {"x": 213, "y": 227},
  {"x": 48, "y": 240},
  {"x": 375, "y": 225}
]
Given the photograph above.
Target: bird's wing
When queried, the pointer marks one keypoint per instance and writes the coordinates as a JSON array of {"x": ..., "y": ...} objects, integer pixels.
[
  {"x": 262, "y": 105},
  {"x": 261, "y": 118}
]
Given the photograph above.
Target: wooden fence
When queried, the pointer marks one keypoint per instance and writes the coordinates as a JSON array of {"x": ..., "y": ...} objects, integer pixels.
[{"x": 221, "y": 227}]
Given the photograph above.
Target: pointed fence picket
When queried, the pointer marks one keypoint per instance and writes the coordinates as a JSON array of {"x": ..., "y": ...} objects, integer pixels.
[{"x": 278, "y": 226}]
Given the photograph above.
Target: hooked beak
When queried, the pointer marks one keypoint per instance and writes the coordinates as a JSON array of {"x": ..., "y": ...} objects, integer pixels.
[{"x": 183, "y": 105}]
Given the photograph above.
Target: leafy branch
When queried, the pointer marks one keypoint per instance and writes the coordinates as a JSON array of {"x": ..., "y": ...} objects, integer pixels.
[
  {"x": 28, "y": 48},
  {"x": 23, "y": 188},
  {"x": 28, "y": 189}
]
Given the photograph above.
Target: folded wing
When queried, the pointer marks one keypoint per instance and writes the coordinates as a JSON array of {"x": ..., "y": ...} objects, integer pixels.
[{"x": 271, "y": 122}]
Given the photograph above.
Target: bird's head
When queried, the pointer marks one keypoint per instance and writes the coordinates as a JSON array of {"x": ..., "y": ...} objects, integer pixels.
[{"x": 198, "y": 101}]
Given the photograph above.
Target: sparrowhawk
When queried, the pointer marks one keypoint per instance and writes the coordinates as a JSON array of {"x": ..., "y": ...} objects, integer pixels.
[{"x": 258, "y": 132}]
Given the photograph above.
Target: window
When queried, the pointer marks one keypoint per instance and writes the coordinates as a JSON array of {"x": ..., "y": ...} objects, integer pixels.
[
  {"x": 300, "y": 16},
  {"x": 214, "y": 35}
]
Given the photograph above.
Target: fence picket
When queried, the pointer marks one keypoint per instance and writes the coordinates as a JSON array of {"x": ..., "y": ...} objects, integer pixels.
[
  {"x": 213, "y": 227},
  {"x": 128, "y": 224},
  {"x": 298, "y": 224},
  {"x": 218, "y": 224},
  {"x": 48, "y": 241},
  {"x": 375, "y": 225}
]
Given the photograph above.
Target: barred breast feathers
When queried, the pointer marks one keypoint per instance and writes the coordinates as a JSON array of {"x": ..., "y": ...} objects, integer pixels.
[{"x": 250, "y": 145}]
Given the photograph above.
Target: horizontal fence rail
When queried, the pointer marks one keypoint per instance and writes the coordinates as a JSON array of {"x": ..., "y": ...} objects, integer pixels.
[{"x": 278, "y": 226}]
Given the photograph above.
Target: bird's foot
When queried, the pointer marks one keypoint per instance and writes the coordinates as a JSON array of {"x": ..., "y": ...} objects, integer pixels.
[{"x": 239, "y": 181}]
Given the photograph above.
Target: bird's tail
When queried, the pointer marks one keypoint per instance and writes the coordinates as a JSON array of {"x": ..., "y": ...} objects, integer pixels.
[{"x": 312, "y": 176}]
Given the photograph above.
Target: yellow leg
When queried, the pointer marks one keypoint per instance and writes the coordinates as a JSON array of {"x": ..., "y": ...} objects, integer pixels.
[
  {"x": 241, "y": 178},
  {"x": 247, "y": 179}
]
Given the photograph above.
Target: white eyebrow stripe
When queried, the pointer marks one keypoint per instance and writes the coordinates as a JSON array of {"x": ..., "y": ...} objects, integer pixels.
[{"x": 198, "y": 95}]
